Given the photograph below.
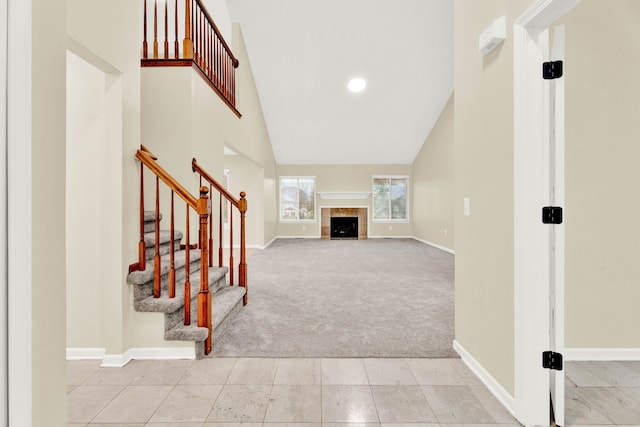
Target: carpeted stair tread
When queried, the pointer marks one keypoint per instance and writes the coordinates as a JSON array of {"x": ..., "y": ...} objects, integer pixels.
[
  {"x": 224, "y": 302},
  {"x": 164, "y": 304},
  {"x": 150, "y": 216},
  {"x": 165, "y": 237},
  {"x": 144, "y": 276},
  {"x": 191, "y": 332}
]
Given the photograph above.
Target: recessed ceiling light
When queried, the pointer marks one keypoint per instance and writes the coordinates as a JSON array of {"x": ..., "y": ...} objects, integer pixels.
[{"x": 357, "y": 84}]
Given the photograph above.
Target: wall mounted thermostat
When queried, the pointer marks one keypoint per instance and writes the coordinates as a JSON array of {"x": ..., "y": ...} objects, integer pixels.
[{"x": 495, "y": 34}]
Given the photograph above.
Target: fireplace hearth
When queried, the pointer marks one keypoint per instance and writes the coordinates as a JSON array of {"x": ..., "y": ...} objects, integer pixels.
[{"x": 344, "y": 227}]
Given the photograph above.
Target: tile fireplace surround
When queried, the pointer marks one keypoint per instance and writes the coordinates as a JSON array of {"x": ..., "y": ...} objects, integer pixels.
[{"x": 328, "y": 213}]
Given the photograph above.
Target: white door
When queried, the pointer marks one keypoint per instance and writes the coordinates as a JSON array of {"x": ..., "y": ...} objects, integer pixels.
[{"x": 555, "y": 128}]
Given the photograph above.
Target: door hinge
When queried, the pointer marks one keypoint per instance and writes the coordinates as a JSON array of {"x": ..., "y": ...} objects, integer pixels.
[
  {"x": 552, "y": 70},
  {"x": 552, "y": 360},
  {"x": 552, "y": 215}
]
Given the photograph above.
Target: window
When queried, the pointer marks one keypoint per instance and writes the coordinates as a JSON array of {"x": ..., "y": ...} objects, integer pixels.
[
  {"x": 297, "y": 198},
  {"x": 390, "y": 198}
]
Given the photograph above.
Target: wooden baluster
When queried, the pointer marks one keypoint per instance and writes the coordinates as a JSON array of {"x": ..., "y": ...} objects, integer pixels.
[
  {"x": 172, "y": 269},
  {"x": 196, "y": 34},
  {"x": 187, "y": 42},
  {"x": 204, "y": 297},
  {"x": 187, "y": 280},
  {"x": 242, "y": 267},
  {"x": 217, "y": 72},
  {"x": 166, "y": 30},
  {"x": 231, "y": 282},
  {"x": 155, "y": 29},
  {"x": 142, "y": 246},
  {"x": 201, "y": 35},
  {"x": 176, "y": 45},
  {"x": 210, "y": 228},
  {"x": 235, "y": 65},
  {"x": 220, "y": 234},
  {"x": 156, "y": 258},
  {"x": 145, "y": 52},
  {"x": 209, "y": 51},
  {"x": 226, "y": 77}
]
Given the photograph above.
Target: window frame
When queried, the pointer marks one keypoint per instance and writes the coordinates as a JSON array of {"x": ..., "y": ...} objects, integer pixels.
[
  {"x": 407, "y": 203},
  {"x": 297, "y": 220}
]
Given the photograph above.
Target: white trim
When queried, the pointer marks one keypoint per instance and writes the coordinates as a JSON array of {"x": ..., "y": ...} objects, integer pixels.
[
  {"x": 19, "y": 215},
  {"x": 344, "y": 195},
  {"x": 487, "y": 379},
  {"x": 296, "y": 237},
  {"x": 148, "y": 353},
  {"x": 531, "y": 184},
  {"x": 602, "y": 354},
  {"x": 435, "y": 245},
  {"x": 390, "y": 237},
  {"x": 85, "y": 353},
  {"x": 4, "y": 351},
  {"x": 268, "y": 244}
]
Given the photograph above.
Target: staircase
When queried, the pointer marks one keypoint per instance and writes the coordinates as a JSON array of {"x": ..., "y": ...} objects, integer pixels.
[{"x": 226, "y": 300}]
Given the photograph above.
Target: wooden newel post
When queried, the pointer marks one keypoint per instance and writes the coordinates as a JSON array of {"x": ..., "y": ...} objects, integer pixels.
[
  {"x": 242, "y": 267},
  {"x": 187, "y": 43},
  {"x": 142, "y": 246},
  {"x": 204, "y": 297}
]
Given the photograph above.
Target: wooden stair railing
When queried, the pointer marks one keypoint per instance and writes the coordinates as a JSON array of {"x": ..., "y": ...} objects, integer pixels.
[
  {"x": 201, "y": 207},
  {"x": 202, "y": 47},
  {"x": 241, "y": 206}
]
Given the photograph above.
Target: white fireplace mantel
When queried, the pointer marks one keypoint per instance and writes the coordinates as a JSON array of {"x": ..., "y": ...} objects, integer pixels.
[{"x": 344, "y": 195}]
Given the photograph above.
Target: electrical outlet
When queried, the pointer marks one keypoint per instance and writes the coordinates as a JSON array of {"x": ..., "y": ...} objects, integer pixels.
[
  {"x": 391, "y": 227},
  {"x": 446, "y": 232},
  {"x": 304, "y": 228}
]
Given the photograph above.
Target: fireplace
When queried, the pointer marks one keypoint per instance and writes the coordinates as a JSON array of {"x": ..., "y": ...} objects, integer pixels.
[
  {"x": 345, "y": 227},
  {"x": 353, "y": 214}
]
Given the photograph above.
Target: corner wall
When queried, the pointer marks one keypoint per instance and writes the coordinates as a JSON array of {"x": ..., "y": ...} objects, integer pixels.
[
  {"x": 48, "y": 274},
  {"x": 484, "y": 173},
  {"x": 110, "y": 44},
  {"x": 433, "y": 173}
]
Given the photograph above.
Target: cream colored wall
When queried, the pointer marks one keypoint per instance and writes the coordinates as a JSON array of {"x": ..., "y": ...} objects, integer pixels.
[
  {"x": 246, "y": 176},
  {"x": 252, "y": 138},
  {"x": 484, "y": 173},
  {"x": 86, "y": 136},
  {"x": 344, "y": 178},
  {"x": 48, "y": 58},
  {"x": 602, "y": 174},
  {"x": 433, "y": 184},
  {"x": 108, "y": 43}
]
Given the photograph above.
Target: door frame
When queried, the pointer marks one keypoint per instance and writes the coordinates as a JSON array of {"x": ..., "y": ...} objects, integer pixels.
[
  {"x": 19, "y": 182},
  {"x": 531, "y": 238}
]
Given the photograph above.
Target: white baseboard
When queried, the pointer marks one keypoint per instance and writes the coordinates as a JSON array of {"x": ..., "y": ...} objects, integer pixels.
[
  {"x": 85, "y": 353},
  {"x": 140, "y": 353},
  {"x": 295, "y": 237},
  {"x": 390, "y": 237},
  {"x": 269, "y": 243},
  {"x": 601, "y": 354},
  {"x": 487, "y": 379},
  {"x": 443, "y": 248}
]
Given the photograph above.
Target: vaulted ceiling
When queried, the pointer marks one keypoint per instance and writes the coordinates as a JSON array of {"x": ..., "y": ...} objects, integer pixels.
[{"x": 303, "y": 53}]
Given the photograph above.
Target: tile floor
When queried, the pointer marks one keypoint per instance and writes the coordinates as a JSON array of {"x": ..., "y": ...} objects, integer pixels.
[{"x": 331, "y": 392}]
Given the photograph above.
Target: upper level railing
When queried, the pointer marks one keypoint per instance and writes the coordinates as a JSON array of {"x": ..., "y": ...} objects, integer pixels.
[
  {"x": 201, "y": 207},
  {"x": 241, "y": 206},
  {"x": 184, "y": 34}
]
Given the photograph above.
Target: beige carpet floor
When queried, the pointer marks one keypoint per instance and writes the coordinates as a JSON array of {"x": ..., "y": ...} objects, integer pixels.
[{"x": 345, "y": 298}]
